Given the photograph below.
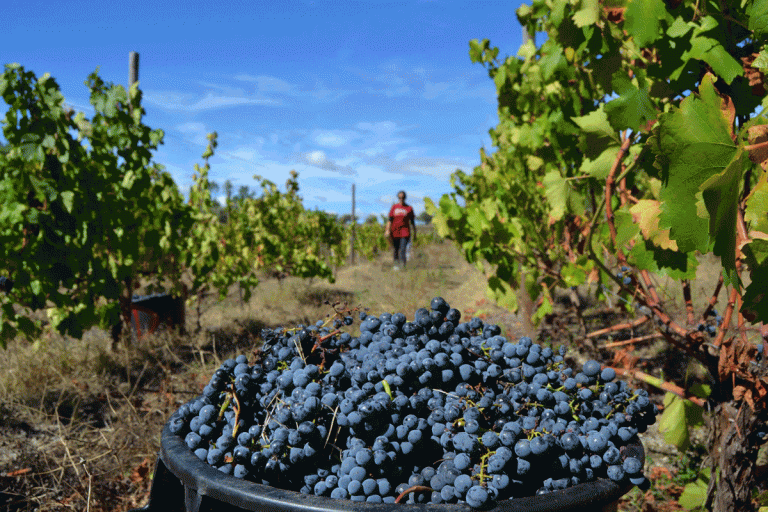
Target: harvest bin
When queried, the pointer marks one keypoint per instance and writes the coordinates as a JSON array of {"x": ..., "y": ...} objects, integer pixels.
[
  {"x": 149, "y": 312},
  {"x": 184, "y": 483}
]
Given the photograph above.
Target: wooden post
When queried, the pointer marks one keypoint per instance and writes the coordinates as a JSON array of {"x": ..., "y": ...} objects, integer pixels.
[
  {"x": 133, "y": 68},
  {"x": 352, "y": 242},
  {"x": 127, "y": 299}
]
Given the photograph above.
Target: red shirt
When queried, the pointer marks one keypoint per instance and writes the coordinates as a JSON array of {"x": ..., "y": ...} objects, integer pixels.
[{"x": 401, "y": 217}]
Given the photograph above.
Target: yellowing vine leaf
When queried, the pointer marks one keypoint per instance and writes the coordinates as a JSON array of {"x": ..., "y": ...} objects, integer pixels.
[
  {"x": 588, "y": 14},
  {"x": 646, "y": 213}
]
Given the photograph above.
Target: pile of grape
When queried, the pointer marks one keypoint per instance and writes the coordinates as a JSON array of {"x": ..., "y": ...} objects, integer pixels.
[{"x": 432, "y": 410}]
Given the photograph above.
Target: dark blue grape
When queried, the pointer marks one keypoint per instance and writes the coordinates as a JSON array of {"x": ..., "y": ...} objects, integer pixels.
[
  {"x": 477, "y": 496},
  {"x": 523, "y": 448},
  {"x": 591, "y": 368},
  {"x": 632, "y": 466}
]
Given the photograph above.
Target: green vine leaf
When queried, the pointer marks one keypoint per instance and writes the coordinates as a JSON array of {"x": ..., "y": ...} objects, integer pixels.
[
  {"x": 679, "y": 414},
  {"x": 721, "y": 196},
  {"x": 68, "y": 198},
  {"x": 755, "y": 298},
  {"x": 694, "y": 494},
  {"x": 756, "y": 213},
  {"x": 632, "y": 109},
  {"x": 693, "y": 143},
  {"x": 643, "y": 20},
  {"x": 557, "y": 192},
  {"x": 758, "y": 18}
]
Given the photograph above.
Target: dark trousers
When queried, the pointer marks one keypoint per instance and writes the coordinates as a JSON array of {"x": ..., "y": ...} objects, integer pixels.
[{"x": 400, "y": 244}]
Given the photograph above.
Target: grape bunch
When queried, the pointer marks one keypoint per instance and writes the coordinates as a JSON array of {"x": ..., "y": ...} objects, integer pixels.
[
  {"x": 710, "y": 326},
  {"x": 433, "y": 410},
  {"x": 625, "y": 279}
]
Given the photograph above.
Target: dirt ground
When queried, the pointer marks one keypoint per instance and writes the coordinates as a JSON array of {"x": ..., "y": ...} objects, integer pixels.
[{"x": 80, "y": 422}]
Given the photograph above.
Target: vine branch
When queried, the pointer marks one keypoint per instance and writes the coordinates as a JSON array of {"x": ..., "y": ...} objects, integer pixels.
[
  {"x": 688, "y": 302},
  {"x": 609, "y": 184},
  {"x": 658, "y": 383},
  {"x": 619, "y": 327}
]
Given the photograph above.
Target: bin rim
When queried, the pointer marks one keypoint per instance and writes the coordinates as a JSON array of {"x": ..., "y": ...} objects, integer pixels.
[{"x": 248, "y": 495}]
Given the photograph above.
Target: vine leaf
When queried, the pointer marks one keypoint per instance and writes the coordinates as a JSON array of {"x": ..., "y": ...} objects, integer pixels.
[
  {"x": 675, "y": 264},
  {"x": 557, "y": 192},
  {"x": 721, "y": 196},
  {"x": 646, "y": 214},
  {"x": 597, "y": 131},
  {"x": 642, "y": 20},
  {"x": 502, "y": 293},
  {"x": 679, "y": 414},
  {"x": 633, "y": 108},
  {"x": 758, "y": 19},
  {"x": 761, "y": 60},
  {"x": 757, "y": 208},
  {"x": 588, "y": 14},
  {"x": 711, "y": 51},
  {"x": 672, "y": 422},
  {"x": 692, "y": 144},
  {"x": 599, "y": 143},
  {"x": 694, "y": 494},
  {"x": 755, "y": 299}
]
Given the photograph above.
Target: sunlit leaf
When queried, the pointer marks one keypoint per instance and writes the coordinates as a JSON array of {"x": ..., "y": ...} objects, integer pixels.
[
  {"x": 642, "y": 20},
  {"x": 692, "y": 145}
]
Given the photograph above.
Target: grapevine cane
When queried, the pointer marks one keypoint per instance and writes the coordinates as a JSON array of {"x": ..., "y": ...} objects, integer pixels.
[{"x": 658, "y": 383}]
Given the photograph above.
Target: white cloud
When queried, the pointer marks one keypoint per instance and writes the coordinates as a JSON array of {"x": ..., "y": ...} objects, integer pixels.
[
  {"x": 401, "y": 155},
  {"x": 193, "y": 128},
  {"x": 266, "y": 83},
  {"x": 244, "y": 154},
  {"x": 211, "y": 101},
  {"x": 173, "y": 100},
  {"x": 316, "y": 157},
  {"x": 194, "y": 133},
  {"x": 319, "y": 159},
  {"x": 333, "y": 138},
  {"x": 433, "y": 90},
  {"x": 270, "y": 84},
  {"x": 435, "y": 167},
  {"x": 380, "y": 128}
]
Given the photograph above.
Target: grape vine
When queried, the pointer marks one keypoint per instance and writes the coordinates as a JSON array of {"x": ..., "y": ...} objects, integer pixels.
[
  {"x": 81, "y": 226},
  {"x": 633, "y": 130}
]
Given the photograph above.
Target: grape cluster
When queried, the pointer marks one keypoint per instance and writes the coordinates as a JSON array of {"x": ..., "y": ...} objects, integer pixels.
[
  {"x": 430, "y": 410},
  {"x": 710, "y": 326},
  {"x": 6, "y": 284},
  {"x": 625, "y": 279}
]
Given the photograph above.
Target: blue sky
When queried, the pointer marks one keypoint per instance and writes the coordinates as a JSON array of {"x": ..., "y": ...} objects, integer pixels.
[{"x": 377, "y": 93}]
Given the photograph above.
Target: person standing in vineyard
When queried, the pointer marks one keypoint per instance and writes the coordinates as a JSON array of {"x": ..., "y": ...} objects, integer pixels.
[{"x": 398, "y": 227}]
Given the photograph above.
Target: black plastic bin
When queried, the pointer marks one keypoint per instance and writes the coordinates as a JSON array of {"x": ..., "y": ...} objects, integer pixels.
[
  {"x": 149, "y": 312},
  {"x": 184, "y": 483}
]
